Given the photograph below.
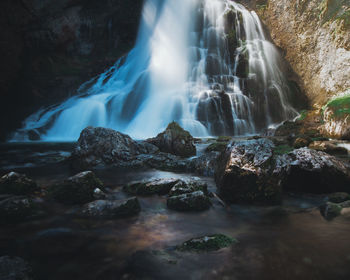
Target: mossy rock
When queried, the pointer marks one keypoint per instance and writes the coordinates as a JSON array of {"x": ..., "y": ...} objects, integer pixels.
[
  {"x": 330, "y": 210},
  {"x": 282, "y": 150},
  {"x": 216, "y": 147},
  {"x": 207, "y": 243},
  {"x": 175, "y": 140},
  {"x": 338, "y": 197}
]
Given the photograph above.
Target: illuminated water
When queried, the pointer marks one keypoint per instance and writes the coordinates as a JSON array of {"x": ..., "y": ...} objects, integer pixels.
[{"x": 195, "y": 62}]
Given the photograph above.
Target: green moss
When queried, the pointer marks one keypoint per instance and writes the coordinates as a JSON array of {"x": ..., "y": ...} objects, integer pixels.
[
  {"x": 303, "y": 115},
  {"x": 339, "y": 106},
  {"x": 176, "y": 128},
  {"x": 283, "y": 149},
  {"x": 207, "y": 243},
  {"x": 217, "y": 147}
]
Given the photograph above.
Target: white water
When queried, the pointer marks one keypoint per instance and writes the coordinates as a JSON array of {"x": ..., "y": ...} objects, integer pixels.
[{"x": 178, "y": 70}]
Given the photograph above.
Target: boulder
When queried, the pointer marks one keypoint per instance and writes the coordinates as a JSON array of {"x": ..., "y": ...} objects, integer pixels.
[
  {"x": 207, "y": 243},
  {"x": 111, "y": 209},
  {"x": 307, "y": 170},
  {"x": 14, "y": 268},
  {"x": 175, "y": 140},
  {"x": 183, "y": 187},
  {"x": 104, "y": 146},
  {"x": 15, "y": 208},
  {"x": 244, "y": 172},
  {"x": 195, "y": 201},
  {"x": 157, "y": 186},
  {"x": 17, "y": 184},
  {"x": 77, "y": 189}
]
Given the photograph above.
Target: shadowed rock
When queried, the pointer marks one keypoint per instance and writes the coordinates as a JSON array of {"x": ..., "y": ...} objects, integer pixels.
[
  {"x": 77, "y": 189},
  {"x": 111, "y": 209},
  {"x": 195, "y": 201},
  {"x": 18, "y": 184}
]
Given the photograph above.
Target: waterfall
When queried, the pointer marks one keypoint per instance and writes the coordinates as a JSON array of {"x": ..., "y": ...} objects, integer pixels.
[{"x": 203, "y": 63}]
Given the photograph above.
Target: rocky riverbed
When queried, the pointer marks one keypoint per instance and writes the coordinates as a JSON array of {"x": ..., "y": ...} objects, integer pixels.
[{"x": 110, "y": 207}]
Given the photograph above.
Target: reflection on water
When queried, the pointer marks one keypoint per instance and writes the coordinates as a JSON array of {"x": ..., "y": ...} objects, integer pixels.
[{"x": 291, "y": 241}]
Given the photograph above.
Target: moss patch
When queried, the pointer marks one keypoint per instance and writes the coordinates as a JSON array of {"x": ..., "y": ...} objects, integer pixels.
[
  {"x": 303, "y": 115},
  {"x": 216, "y": 147},
  {"x": 283, "y": 149},
  {"x": 339, "y": 106},
  {"x": 207, "y": 243}
]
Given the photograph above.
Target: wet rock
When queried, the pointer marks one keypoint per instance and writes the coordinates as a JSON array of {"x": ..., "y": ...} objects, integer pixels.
[
  {"x": 17, "y": 184},
  {"x": 14, "y": 268},
  {"x": 204, "y": 164},
  {"x": 244, "y": 172},
  {"x": 158, "y": 186},
  {"x": 183, "y": 187},
  {"x": 307, "y": 170},
  {"x": 99, "y": 194},
  {"x": 338, "y": 197},
  {"x": 207, "y": 243},
  {"x": 111, "y": 209},
  {"x": 103, "y": 146},
  {"x": 77, "y": 189},
  {"x": 195, "y": 201},
  {"x": 16, "y": 208},
  {"x": 175, "y": 140}
]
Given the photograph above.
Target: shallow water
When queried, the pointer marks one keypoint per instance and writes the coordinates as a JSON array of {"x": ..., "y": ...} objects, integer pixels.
[{"x": 290, "y": 241}]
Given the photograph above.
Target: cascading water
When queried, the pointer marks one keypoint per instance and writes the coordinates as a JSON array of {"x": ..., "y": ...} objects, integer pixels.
[{"x": 203, "y": 63}]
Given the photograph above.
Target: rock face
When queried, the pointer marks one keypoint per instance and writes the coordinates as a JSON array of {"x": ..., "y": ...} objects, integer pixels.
[
  {"x": 105, "y": 146},
  {"x": 111, "y": 209},
  {"x": 195, "y": 201},
  {"x": 316, "y": 42},
  {"x": 49, "y": 48},
  {"x": 14, "y": 268},
  {"x": 77, "y": 189},
  {"x": 18, "y": 184},
  {"x": 307, "y": 170},
  {"x": 158, "y": 186},
  {"x": 245, "y": 172},
  {"x": 175, "y": 140}
]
